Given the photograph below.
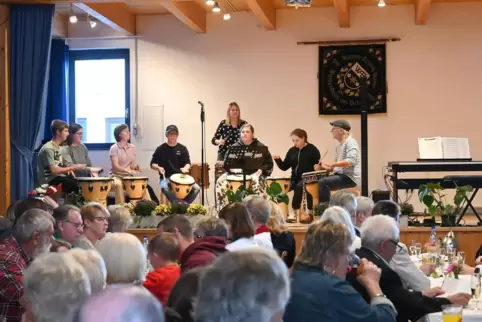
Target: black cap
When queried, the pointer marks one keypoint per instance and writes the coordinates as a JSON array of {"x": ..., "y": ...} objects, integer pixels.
[
  {"x": 342, "y": 124},
  {"x": 171, "y": 128}
]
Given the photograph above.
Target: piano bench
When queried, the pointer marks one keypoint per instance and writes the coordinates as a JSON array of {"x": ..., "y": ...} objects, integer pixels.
[{"x": 355, "y": 191}]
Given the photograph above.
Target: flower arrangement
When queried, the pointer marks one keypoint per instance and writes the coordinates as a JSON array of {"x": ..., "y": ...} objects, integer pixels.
[
  {"x": 454, "y": 270},
  {"x": 130, "y": 208},
  {"x": 45, "y": 190},
  {"x": 144, "y": 208},
  {"x": 163, "y": 210},
  {"x": 197, "y": 209}
]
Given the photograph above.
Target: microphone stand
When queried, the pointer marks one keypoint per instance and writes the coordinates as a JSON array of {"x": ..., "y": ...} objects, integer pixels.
[{"x": 203, "y": 130}]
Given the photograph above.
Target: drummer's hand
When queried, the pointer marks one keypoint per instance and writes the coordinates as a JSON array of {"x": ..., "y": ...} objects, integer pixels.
[
  {"x": 327, "y": 167},
  {"x": 78, "y": 166},
  {"x": 259, "y": 172},
  {"x": 276, "y": 157},
  {"x": 95, "y": 169},
  {"x": 137, "y": 168},
  {"x": 94, "y": 174},
  {"x": 161, "y": 170},
  {"x": 184, "y": 170},
  {"x": 317, "y": 167}
]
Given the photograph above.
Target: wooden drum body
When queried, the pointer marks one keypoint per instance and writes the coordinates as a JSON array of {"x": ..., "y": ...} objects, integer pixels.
[
  {"x": 95, "y": 189},
  {"x": 198, "y": 173},
  {"x": 284, "y": 182},
  {"x": 135, "y": 187},
  {"x": 181, "y": 185},
  {"x": 236, "y": 181},
  {"x": 310, "y": 181}
]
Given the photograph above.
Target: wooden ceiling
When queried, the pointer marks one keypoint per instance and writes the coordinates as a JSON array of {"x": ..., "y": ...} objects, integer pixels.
[{"x": 121, "y": 14}]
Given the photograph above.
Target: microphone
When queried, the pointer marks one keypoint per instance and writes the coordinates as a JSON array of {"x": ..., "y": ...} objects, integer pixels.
[{"x": 200, "y": 103}]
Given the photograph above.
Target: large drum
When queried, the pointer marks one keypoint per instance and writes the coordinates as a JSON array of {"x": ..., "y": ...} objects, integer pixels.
[
  {"x": 218, "y": 170},
  {"x": 236, "y": 181},
  {"x": 198, "y": 172},
  {"x": 95, "y": 189},
  {"x": 284, "y": 182},
  {"x": 135, "y": 187},
  {"x": 181, "y": 185},
  {"x": 310, "y": 181}
]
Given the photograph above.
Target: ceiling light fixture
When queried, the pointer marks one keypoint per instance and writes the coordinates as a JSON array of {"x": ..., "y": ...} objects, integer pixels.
[
  {"x": 227, "y": 16},
  {"x": 381, "y": 3},
  {"x": 73, "y": 19},
  {"x": 216, "y": 8},
  {"x": 210, "y": 2},
  {"x": 93, "y": 23}
]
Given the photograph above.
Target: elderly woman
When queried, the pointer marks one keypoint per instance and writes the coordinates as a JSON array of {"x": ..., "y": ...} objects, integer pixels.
[
  {"x": 95, "y": 217},
  {"x": 120, "y": 219},
  {"x": 94, "y": 265},
  {"x": 339, "y": 215},
  {"x": 283, "y": 240},
  {"x": 348, "y": 201},
  {"x": 319, "y": 290},
  {"x": 256, "y": 176},
  {"x": 251, "y": 285},
  {"x": 124, "y": 257}
]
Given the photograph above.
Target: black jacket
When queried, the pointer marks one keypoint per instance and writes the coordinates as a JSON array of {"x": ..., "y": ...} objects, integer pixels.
[
  {"x": 410, "y": 305},
  {"x": 268, "y": 164},
  {"x": 285, "y": 242},
  {"x": 171, "y": 158},
  {"x": 300, "y": 161}
]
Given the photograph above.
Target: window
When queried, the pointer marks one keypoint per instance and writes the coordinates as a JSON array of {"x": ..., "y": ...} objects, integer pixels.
[{"x": 99, "y": 86}]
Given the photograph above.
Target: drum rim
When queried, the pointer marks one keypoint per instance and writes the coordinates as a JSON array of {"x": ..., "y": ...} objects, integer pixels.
[
  {"x": 278, "y": 178},
  {"x": 94, "y": 179},
  {"x": 180, "y": 183},
  {"x": 135, "y": 178},
  {"x": 313, "y": 172},
  {"x": 248, "y": 177}
]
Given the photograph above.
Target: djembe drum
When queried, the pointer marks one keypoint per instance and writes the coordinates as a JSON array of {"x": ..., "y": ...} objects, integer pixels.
[
  {"x": 95, "y": 189},
  {"x": 310, "y": 181},
  {"x": 181, "y": 185},
  {"x": 135, "y": 187},
  {"x": 199, "y": 172},
  {"x": 236, "y": 181},
  {"x": 285, "y": 183}
]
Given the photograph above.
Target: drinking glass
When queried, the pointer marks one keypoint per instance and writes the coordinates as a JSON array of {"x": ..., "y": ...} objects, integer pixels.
[
  {"x": 418, "y": 249},
  {"x": 475, "y": 288},
  {"x": 452, "y": 313},
  {"x": 450, "y": 254}
]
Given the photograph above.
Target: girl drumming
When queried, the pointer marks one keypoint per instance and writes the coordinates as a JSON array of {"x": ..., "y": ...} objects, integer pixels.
[
  {"x": 228, "y": 131},
  {"x": 301, "y": 158}
]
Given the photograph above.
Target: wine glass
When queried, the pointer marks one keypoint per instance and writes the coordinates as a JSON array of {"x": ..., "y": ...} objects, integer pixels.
[
  {"x": 418, "y": 249},
  {"x": 413, "y": 250}
]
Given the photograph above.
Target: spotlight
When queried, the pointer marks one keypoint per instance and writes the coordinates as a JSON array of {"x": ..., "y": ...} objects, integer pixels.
[
  {"x": 381, "y": 3},
  {"x": 73, "y": 19},
  {"x": 210, "y": 2},
  {"x": 216, "y": 8},
  {"x": 227, "y": 16},
  {"x": 93, "y": 24}
]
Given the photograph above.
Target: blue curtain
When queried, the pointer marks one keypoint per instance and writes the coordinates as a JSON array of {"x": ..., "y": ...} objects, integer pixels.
[
  {"x": 57, "y": 85},
  {"x": 30, "y": 36}
]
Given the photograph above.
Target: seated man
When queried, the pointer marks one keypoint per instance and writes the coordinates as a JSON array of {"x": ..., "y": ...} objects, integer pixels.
[
  {"x": 347, "y": 165},
  {"x": 171, "y": 158},
  {"x": 50, "y": 169}
]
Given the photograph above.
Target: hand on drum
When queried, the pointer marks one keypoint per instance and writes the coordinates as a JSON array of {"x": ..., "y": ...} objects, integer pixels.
[
  {"x": 317, "y": 167},
  {"x": 78, "y": 166},
  {"x": 94, "y": 174},
  {"x": 185, "y": 170},
  {"x": 137, "y": 168},
  {"x": 259, "y": 172},
  {"x": 276, "y": 157},
  {"x": 161, "y": 170},
  {"x": 95, "y": 169}
]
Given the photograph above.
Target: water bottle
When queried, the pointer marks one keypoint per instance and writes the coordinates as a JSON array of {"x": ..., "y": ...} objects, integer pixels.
[
  {"x": 433, "y": 237},
  {"x": 148, "y": 262}
]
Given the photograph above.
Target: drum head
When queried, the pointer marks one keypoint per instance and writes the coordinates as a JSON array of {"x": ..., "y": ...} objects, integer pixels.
[
  {"x": 237, "y": 178},
  {"x": 182, "y": 179},
  {"x": 312, "y": 173},
  {"x": 278, "y": 178},
  {"x": 135, "y": 178}
]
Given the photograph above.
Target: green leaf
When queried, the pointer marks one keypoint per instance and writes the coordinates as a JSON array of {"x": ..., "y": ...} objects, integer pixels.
[
  {"x": 434, "y": 186},
  {"x": 282, "y": 198},
  {"x": 432, "y": 210},
  {"x": 274, "y": 189},
  {"x": 428, "y": 200}
]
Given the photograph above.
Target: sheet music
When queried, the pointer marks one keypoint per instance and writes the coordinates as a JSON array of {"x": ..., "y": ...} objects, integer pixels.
[
  {"x": 430, "y": 148},
  {"x": 456, "y": 148}
]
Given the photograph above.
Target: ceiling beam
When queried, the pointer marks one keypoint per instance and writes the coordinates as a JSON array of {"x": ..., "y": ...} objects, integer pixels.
[
  {"x": 189, "y": 12},
  {"x": 342, "y": 8},
  {"x": 59, "y": 29},
  {"x": 115, "y": 15},
  {"x": 422, "y": 8},
  {"x": 264, "y": 11}
]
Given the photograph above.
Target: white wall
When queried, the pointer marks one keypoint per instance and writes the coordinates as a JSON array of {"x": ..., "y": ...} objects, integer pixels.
[{"x": 432, "y": 79}]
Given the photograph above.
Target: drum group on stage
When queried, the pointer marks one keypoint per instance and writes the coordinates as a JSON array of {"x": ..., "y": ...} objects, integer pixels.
[{"x": 65, "y": 160}]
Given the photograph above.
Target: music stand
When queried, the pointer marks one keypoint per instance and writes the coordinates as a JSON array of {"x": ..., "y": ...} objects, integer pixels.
[{"x": 245, "y": 158}]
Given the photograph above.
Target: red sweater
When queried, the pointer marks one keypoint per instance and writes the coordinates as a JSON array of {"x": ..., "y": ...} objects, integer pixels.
[{"x": 162, "y": 280}]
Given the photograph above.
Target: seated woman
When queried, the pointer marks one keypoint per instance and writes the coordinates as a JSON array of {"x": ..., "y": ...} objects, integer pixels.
[
  {"x": 338, "y": 215},
  {"x": 123, "y": 159},
  {"x": 283, "y": 240},
  {"x": 95, "y": 217},
  {"x": 319, "y": 291},
  {"x": 257, "y": 176},
  {"x": 120, "y": 219},
  {"x": 76, "y": 153},
  {"x": 301, "y": 158}
]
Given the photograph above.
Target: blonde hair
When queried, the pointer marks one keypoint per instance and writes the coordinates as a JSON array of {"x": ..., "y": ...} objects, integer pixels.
[
  {"x": 120, "y": 219},
  {"x": 228, "y": 116},
  {"x": 124, "y": 257},
  {"x": 90, "y": 209},
  {"x": 276, "y": 221}
]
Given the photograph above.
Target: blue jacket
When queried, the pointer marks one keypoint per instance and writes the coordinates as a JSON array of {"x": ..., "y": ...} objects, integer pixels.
[{"x": 318, "y": 296}]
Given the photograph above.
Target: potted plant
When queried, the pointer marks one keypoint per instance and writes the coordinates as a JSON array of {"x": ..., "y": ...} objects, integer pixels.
[
  {"x": 239, "y": 195},
  {"x": 406, "y": 209},
  {"x": 146, "y": 211},
  {"x": 431, "y": 195}
]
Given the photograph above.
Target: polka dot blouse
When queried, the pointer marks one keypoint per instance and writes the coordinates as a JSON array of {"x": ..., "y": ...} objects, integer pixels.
[{"x": 229, "y": 133}]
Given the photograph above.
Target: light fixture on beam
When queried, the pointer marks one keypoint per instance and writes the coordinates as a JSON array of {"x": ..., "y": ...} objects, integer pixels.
[
  {"x": 381, "y": 3},
  {"x": 93, "y": 23},
  {"x": 216, "y": 8},
  {"x": 210, "y": 2},
  {"x": 73, "y": 17},
  {"x": 227, "y": 16}
]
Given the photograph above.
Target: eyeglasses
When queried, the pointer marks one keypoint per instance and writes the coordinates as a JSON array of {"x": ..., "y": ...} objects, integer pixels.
[
  {"x": 75, "y": 224},
  {"x": 399, "y": 248}
]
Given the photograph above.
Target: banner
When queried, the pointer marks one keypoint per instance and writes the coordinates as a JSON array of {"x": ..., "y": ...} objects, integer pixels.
[{"x": 343, "y": 69}]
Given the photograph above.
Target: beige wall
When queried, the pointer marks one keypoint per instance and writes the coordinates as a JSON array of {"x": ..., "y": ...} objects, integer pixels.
[{"x": 433, "y": 79}]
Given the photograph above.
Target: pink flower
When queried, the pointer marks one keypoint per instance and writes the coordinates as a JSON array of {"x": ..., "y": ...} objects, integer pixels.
[{"x": 450, "y": 268}]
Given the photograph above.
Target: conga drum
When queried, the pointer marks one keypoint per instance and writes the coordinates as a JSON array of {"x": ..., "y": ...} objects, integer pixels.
[
  {"x": 135, "y": 187},
  {"x": 198, "y": 172},
  {"x": 95, "y": 189},
  {"x": 181, "y": 185},
  {"x": 236, "y": 181},
  {"x": 310, "y": 181}
]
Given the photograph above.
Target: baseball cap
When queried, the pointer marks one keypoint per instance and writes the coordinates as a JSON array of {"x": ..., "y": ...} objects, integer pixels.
[
  {"x": 171, "y": 128},
  {"x": 342, "y": 124}
]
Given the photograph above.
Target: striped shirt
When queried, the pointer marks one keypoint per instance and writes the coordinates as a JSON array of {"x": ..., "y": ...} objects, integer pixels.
[{"x": 349, "y": 151}]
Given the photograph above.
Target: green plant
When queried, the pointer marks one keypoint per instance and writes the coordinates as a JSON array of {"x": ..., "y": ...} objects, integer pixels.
[
  {"x": 431, "y": 195},
  {"x": 276, "y": 194},
  {"x": 320, "y": 208},
  {"x": 239, "y": 195},
  {"x": 196, "y": 209},
  {"x": 144, "y": 208},
  {"x": 406, "y": 209},
  {"x": 179, "y": 208}
]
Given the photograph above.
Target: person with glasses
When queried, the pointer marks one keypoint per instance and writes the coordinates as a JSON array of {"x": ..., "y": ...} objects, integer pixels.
[
  {"x": 75, "y": 152},
  {"x": 95, "y": 218},
  {"x": 68, "y": 224},
  {"x": 413, "y": 277}
]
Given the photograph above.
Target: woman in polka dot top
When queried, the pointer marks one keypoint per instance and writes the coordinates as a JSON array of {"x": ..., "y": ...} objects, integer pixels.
[{"x": 228, "y": 132}]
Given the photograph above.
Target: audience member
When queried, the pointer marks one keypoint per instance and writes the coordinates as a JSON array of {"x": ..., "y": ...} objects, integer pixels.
[
  {"x": 120, "y": 219},
  {"x": 124, "y": 257},
  {"x": 31, "y": 237},
  {"x": 200, "y": 252},
  {"x": 163, "y": 251},
  {"x": 241, "y": 227},
  {"x": 364, "y": 209},
  {"x": 181, "y": 300},
  {"x": 346, "y": 200},
  {"x": 250, "y": 285},
  {"x": 5, "y": 227},
  {"x": 259, "y": 209},
  {"x": 55, "y": 286},
  {"x": 95, "y": 217},
  {"x": 380, "y": 239},
  {"x": 339, "y": 215},
  {"x": 68, "y": 224},
  {"x": 125, "y": 303},
  {"x": 94, "y": 265},
  {"x": 283, "y": 240},
  {"x": 319, "y": 289}
]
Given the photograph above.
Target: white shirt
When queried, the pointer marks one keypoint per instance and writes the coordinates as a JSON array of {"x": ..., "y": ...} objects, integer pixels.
[{"x": 411, "y": 276}]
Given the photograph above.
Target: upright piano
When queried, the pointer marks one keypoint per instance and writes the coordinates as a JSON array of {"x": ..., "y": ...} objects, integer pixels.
[{"x": 450, "y": 182}]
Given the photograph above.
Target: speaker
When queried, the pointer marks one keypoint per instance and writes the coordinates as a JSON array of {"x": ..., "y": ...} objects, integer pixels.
[{"x": 378, "y": 195}]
